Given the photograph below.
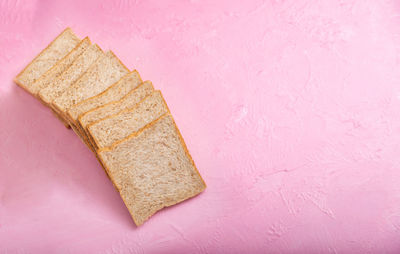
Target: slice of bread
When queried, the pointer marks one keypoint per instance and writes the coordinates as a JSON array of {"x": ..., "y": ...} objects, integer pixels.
[
  {"x": 103, "y": 73},
  {"x": 113, "y": 93},
  {"x": 128, "y": 101},
  {"x": 109, "y": 130},
  {"x": 152, "y": 169},
  {"x": 55, "y": 51},
  {"x": 48, "y": 77},
  {"x": 71, "y": 74}
]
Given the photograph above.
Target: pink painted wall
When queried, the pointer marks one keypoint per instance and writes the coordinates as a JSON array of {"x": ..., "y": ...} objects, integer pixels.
[{"x": 291, "y": 110}]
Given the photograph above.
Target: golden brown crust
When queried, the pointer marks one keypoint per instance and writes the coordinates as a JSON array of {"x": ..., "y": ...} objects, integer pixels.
[
  {"x": 58, "y": 112},
  {"x": 55, "y": 66},
  {"x": 95, "y": 141},
  {"x": 107, "y": 104},
  {"x": 120, "y": 112},
  {"x": 55, "y": 106},
  {"x": 67, "y": 114},
  {"x": 134, "y": 133},
  {"x": 85, "y": 136},
  {"x": 97, "y": 95},
  {"x": 77, "y": 132},
  {"x": 105, "y": 91},
  {"x": 92, "y": 141},
  {"x": 75, "y": 123},
  {"x": 84, "y": 130},
  {"x": 22, "y": 86},
  {"x": 77, "y": 126}
]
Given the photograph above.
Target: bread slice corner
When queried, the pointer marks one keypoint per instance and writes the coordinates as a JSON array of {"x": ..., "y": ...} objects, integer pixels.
[
  {"x": 54, "y": 72},
  {"x": 113, "y": 93},
  {"x": 118, "y": 126},
  {"x": 130, "y": 100},
  {"x": 49, "y": 56},
  {"x": 119, "y": 60},
  {"x": 152, "y": 169},
  {"x": 78, "y": 67},
  {"x": 100, "y": 75}
]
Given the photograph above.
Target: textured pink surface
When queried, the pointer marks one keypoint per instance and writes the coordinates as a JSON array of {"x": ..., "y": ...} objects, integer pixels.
[{"x": 291, "y": 110}]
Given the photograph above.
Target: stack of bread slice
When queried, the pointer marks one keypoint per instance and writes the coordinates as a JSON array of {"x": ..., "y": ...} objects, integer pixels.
[{"x": 123, "y": 120}]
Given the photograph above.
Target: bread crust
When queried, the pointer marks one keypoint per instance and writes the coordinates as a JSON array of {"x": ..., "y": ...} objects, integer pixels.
[
  {"x": 55, "y": 107},
  {"x": 134, "y": 134},
  {"x": 16, "y": 79},
  {"x": 102, "y": 93},
  {"x": 85, "y": 129},
  {"x": 84, "y": 40},
  {"x": 75, "y": 122},
  {"x": 93, "y": 137}
]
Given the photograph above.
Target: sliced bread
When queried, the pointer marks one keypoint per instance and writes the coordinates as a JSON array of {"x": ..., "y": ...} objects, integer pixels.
[
  {"x": 48, "y": 77},
  {"x": 56, "y": 50},
  {"x": 57, "y": 115},
  {"x": 113, "y": 93},
  {"x": 152, "y": 169},
  {"x": 103, "y": 73},
  {"x": 116, "y": 127},
  {"x": 128, "y": 101},
  {"x": 71, "y": 74}
]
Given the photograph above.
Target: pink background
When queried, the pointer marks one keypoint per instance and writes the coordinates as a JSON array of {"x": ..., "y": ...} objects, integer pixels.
[{"x": 291, "y": 110}]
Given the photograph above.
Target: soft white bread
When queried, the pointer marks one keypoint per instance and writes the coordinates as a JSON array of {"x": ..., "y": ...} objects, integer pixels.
[
  {"x": 128, "y": 101},
  {"x": 56, "y": 50},
  {"x": 71, "y": 74},
  {"x": 116, "y": 127},
  {"x": 152, "y": 169},
  {"x": 49, "y": 76},
  {"x": 103, "y": 73}
]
